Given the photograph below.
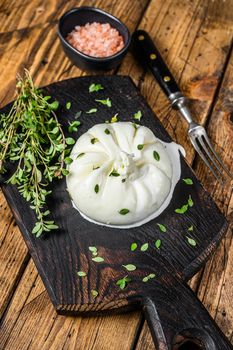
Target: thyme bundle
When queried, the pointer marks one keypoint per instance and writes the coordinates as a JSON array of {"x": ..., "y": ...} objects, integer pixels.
[{"x": 31, "y": 136}]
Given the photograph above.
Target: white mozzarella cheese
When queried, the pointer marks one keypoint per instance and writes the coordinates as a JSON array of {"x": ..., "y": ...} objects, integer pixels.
[{"x": 121, "y": 174}]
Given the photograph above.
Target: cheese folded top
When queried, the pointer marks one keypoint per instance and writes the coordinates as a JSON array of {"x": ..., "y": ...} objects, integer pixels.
[{"x": 120, "y": 174}]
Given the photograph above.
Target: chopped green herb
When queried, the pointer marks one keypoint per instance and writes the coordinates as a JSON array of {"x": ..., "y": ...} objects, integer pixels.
[
  {"x": 156, "y": 156},
  {"x": 123, "y": 180},
  {"x": 92, "y": 249},
  {"x": 98, "y": 259},
  {"x": 70, "y": 141},
  {"x": 162, "y": 228},
  {"x": 123, "y": 282},
  {"x": 138, "y": 115},
  {"x": 106, "y": 102},
  {"x": 68, "y": 105},
  {"x": 92, "y": 110},
  {"x": 185, "y": 207},
  {"x": 65, "y": 172},
  {"x": 107, "y": 131},
  {"x": 80, "y": 155},
  {"x": 182, "y": 210},
  {"x": 54, "y": 105},
  {"x": 144, "y": 247},
  {"x": 94, "y": 140},
  {"x": 133, "y": 247},
  {"x": 114, "y": 119},
  {"x": 190, "y": 228},
  {"x": 81, "y": 273},
  {"x": 190, "y": 201},
  {"x": 140, "y": 147},
  {"x": 74, "y": 126},
  {"x": 158, "y": 243},
  {"x": 114, "y": 173},
  {"x": 188, "y": 181},
  {"x": 55, "y": 130},
  {"x": 129, "y": 267},
  {"x": 191, "y": 241},
  {"x": 78, "y": 114},
  {"x": 95, "y": 168},
  {"x": 147, "y": 278},
  {"x": 94, "y": 293},
  {"x": 68, "y": 160},
  {"x": 96, "y": 188},
  {"x": 95, "y": 87},
  {"x": 124, "y": 211}
]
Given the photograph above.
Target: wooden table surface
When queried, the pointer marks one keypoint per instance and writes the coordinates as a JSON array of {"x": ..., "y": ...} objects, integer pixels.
[{"x": 195, "y": 38}]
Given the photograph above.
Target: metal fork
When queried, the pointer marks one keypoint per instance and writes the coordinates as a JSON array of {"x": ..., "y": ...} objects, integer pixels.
[
  {"x": 149, "y": 56},
  {"x": 199, "y": 138}
]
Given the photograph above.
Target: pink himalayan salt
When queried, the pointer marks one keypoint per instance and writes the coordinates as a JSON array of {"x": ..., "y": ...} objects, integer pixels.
[{"x": 96, "y": 39}]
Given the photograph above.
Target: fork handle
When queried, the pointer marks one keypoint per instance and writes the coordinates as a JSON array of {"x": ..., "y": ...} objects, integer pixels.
[{"x": 148, "y": 55}]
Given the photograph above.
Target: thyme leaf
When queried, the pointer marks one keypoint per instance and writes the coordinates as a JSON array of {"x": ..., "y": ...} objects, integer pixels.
[
  {"x": 95, "y": 87},
  {"x": 188, "y": 181},
  {"x": 106, "y": 102},
  {"x": 92, "y": 110},
  {"x": 133, "y": 247},
  {"x": 123, "y": 282},
  {"x": 162, "y": 227},
  {"x": 138, "y": 115},
  {"x": 130, "y": 267},
  {"x": 94, "y": 293},
  {"x": 156, "y": 156},
  {"x": 68, "y": 105},
  {"x": 144, "y": 247},
  {"x": 149, "y": 277},
  {"x": 158, "y": 243},
  {"x": 191, "y": 241},
  {"x": 140, "y": 147},
  {"x": 81, "y": 273},
  {"x": 182, "y": 210},
  {"x": 124, "y": 211},
  {"x": 98, "y": 259}
]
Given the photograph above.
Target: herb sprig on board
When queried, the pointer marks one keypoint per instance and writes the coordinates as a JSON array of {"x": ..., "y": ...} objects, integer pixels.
[{"x": 31, "y": 136}]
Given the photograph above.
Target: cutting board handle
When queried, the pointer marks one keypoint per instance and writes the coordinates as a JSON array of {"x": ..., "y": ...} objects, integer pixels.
[{"x": 179, "y": 321}]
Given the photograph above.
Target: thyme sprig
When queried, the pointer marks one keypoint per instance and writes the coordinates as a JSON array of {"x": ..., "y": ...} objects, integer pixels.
[{"x": 31, "y": 136}]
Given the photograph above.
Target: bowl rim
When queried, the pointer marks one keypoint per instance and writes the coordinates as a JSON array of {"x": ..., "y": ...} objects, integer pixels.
[{"x": 108, "y": 15}]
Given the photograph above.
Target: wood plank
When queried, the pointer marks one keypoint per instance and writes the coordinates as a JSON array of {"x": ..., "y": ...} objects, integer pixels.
[
  {"x": 13, "y": 254},
  {"x": 20, "y": 49},
  {"x": 215, "y": 287},
  {"x": 37, "y": 12},
  {"x": 195, "y": 48},
  {"x": 31, "y": 322},
  {"x": 129, "y": 66},
  {"x": 39, "y": 49}
]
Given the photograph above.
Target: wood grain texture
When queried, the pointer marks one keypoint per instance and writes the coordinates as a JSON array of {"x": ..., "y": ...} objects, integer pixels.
[
  {"x": 60, "y": 255},
  {"x": 214, "y": 284},
  {"x": 19, "y": 49},
  {"x": 215, "y": 289},
  {"x": 177, "y": 26},
  {"x": 69, "y": 293},
  {"x": 31, "y": 322},
  {"x": 195, "y": 48}
]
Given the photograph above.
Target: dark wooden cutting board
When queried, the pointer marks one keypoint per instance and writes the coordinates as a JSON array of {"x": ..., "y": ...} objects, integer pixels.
[{"x": 61, "y": 254}]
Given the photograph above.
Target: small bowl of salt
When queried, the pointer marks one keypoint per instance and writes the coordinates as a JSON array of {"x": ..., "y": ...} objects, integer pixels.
[{"x": 93, "y": 39}]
